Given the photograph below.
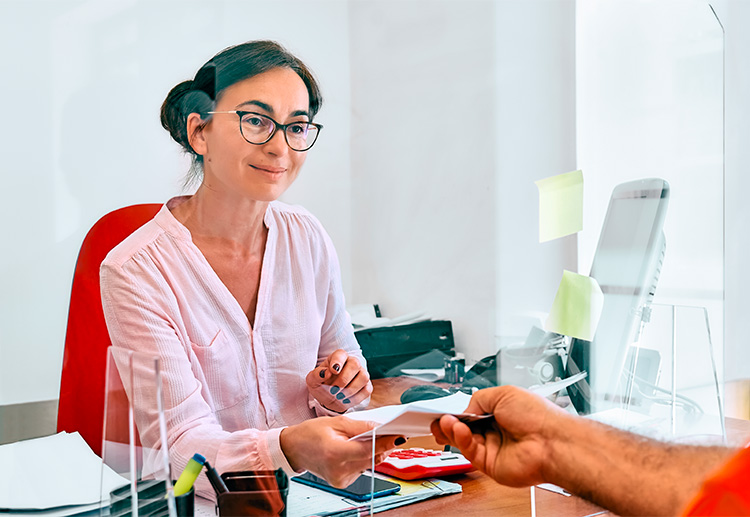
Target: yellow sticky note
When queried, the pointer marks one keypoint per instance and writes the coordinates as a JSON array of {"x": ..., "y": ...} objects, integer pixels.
[
  {"x": 577, "y": 307},
  {"x": 560, "y": 205}
]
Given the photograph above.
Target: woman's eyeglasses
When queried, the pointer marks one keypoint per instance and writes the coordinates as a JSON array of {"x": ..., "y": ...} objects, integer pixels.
[{"x": 258, "y": 129}]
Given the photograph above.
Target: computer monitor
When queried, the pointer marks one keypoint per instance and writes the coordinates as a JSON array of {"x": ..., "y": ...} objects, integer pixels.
[{"x": 626, "y": 265}]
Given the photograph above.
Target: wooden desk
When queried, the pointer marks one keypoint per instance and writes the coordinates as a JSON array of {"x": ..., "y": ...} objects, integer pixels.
[{"x": 481, "y": 494}]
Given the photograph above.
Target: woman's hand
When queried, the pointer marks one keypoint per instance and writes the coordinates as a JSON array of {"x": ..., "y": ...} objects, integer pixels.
[
  {"x": 321, "y": 445},
  {"x": 339, "y": 382}
]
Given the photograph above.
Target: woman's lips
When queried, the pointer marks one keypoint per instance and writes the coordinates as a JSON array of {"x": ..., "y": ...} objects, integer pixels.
[{"x": 271, "y": 170}]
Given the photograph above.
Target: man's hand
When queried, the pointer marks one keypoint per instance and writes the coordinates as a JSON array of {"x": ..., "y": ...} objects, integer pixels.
[
  {"x": 339, "y": 382},
  {"x": 514, "y": 449},
  {"x": 322, "y": 446}
]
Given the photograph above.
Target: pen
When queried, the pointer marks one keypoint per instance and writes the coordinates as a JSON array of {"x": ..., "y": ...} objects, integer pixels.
[
  {"x": 187, "y": 478},
  {"x": 215, "y": 479}
]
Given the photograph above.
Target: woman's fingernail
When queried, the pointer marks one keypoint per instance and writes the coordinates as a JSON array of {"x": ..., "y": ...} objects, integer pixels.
[
  {"x": 334, "y": 390},
  {"x": 336, "y": 367},
  {"x": 322, "y": 373},
  {"x": 340, "y": 395},
  {"x": 400, "y": 440},
  {"x": 347, "y": 401}
]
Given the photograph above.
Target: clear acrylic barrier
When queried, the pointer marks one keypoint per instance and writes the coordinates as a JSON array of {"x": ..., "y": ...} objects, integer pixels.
[
  {"x": 134, "y": 438},
  {"x": 670, "y": 387}
]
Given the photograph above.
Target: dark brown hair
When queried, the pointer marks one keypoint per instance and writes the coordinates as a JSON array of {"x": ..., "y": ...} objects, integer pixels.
[{"x": 228, "y": 67}]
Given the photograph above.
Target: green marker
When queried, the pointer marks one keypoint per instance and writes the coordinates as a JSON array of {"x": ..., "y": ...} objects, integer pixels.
[{"x": 188, "y": 476}]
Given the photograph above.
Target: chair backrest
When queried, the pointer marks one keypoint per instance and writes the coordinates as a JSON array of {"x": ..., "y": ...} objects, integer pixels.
[{"x": 82, "y": 385}]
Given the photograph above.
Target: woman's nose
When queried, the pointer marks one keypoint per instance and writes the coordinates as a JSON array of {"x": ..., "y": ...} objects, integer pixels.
[{"x": 277, "y": 144}]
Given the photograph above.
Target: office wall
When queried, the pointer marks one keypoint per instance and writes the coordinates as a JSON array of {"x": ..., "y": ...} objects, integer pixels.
[
  {"x": 536, "y": 138},
  {"x": 451, "y": 104},
  {"x": 423, "y": 170}
]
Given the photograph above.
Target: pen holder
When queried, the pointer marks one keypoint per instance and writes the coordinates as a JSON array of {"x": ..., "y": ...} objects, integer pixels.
[
  {"x": 186, "y": 503},
  {"x": 151, "y": 500},
  {"x": 254, "y": 492}
]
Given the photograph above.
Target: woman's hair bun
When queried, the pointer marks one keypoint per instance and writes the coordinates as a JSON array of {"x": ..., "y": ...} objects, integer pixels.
[{"x": 181, "y": 101}]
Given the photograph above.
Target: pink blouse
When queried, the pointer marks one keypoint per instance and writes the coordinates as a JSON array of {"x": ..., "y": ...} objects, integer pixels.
[{"x": 228, "y": 388}]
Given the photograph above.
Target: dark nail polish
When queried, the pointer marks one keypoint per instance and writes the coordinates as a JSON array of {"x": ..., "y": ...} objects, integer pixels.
[
  {"x": 347, "y": 401},
  {"x": 400, "y": 440},
  {"x": 334, "y": 390},
  {"x": 322, "y": 373},
  {"x": 340, "y": 395},
  {"x": 336, "y": 367}
]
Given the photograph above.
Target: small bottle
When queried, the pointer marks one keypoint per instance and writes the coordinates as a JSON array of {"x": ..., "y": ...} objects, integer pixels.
[{"x": 454, "y": 368}]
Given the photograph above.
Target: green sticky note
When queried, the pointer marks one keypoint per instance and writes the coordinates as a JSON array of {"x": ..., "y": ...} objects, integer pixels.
[
  {"x": 577, "y": 307},
  {"x": 560, "y": 205}
]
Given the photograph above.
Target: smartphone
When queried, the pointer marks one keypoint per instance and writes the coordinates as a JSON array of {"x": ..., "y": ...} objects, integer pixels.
[{"x": 358, "y": 491}]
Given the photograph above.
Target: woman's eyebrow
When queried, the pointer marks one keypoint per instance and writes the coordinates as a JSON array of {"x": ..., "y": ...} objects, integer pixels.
[
  {"x": 260, "y": 104},
  {"x": 269, "y": 109}
]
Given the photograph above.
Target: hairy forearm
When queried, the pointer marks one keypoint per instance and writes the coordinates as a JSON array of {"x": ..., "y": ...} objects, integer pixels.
[{"x": 626, "y": 473}]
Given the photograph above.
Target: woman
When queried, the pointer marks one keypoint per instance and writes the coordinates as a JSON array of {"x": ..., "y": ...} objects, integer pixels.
[{"x": 238, "y": 294}]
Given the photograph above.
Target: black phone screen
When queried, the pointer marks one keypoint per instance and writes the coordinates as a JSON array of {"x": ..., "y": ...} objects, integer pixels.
[{"x": 358, "y": 491}]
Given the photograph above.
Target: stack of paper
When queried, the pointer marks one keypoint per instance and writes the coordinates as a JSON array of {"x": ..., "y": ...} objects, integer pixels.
[{"x": 56, "y": 475}]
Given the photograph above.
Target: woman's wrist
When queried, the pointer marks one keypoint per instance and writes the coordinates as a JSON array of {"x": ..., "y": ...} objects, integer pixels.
[{"x": 289, "y": 447}]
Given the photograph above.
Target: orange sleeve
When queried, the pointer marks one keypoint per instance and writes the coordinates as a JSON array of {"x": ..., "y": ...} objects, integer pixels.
[{"x": 727, "y": 492}]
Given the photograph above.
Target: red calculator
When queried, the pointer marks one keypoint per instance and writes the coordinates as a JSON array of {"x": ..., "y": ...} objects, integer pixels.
[{"x": 419, "y": 463}]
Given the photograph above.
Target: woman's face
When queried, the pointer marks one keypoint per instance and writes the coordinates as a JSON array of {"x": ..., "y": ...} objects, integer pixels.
[{"x": 233, "y": 166}]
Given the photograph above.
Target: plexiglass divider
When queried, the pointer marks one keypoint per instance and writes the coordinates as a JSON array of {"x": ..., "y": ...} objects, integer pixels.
[
  {"x": 670, "y": 384},
  {"x": 134, "y": 437}
]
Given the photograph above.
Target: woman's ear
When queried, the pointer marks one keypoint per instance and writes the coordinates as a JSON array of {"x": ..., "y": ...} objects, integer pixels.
[{"x": 195, "y": 127}]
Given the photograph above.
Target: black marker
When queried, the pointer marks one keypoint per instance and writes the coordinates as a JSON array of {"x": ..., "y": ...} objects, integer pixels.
[{"x": 215, "y": 479}]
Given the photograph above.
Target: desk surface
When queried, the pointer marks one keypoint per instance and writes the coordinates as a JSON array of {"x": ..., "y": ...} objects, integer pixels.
[{"x": 483, "y": 496}]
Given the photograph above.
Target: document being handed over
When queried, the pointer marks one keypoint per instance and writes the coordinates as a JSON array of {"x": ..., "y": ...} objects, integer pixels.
[{"x": 414, "y": 419}]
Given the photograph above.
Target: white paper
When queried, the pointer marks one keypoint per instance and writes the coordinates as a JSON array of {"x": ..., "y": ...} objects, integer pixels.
[
  {"x": 53, "y": 471},
  {"x": 425, "y": 374},
  {"x": 554, "y": 488},
  {"x": 363, "y": 317},
  {"x": 414, "y": 419},
  {"x": 550, "y": 388}
]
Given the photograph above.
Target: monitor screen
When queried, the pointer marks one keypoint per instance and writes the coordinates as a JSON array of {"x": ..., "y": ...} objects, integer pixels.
[{"x": 626, "y": 265}]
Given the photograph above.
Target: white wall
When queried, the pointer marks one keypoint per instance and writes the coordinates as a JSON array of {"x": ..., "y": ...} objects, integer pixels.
[
  {"x": 452, "y": 102},
  {"x": 536, "y": 138},
  {"x": 423, "y": 98}
]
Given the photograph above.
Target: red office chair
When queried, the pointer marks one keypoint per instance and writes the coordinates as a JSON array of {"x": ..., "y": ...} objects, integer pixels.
[{"x": 81, "y": 406}]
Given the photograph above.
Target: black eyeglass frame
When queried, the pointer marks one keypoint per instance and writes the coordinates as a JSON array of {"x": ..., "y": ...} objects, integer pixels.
[{"x": 276, "y": 127}]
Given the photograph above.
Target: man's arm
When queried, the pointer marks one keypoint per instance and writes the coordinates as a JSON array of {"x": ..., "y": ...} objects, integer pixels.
[
  {"x": 534, "y": 441},
  {"x": 627, "y": 473}
]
